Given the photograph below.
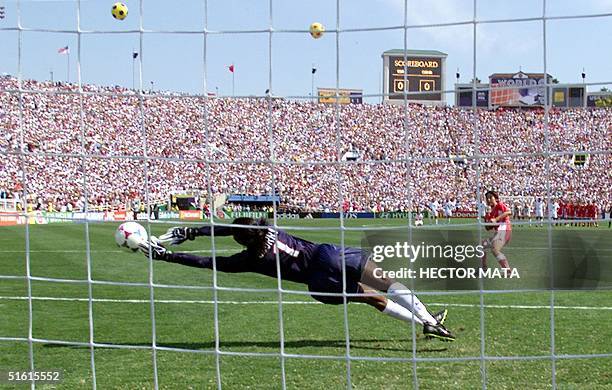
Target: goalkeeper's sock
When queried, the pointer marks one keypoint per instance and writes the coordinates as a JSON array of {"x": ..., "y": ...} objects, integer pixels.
[
  {"x": 411, "y": 302},
  {"x": 401, "y": 313}
]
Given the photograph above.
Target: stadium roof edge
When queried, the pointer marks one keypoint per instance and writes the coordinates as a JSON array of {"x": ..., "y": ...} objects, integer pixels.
[
  {"x": 415, "y": 52},
  {"x": 532, "y": 74}
]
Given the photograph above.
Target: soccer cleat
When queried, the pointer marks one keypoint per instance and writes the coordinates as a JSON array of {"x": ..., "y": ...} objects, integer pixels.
[
  {"x": 438, "y": 332},
  {"x": 506, "y": 272},
  {"x": 441, "y": 316}
]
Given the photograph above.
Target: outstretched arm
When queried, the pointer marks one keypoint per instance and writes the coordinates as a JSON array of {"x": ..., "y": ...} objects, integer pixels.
[
  {"x": 219, "y": 231},
  {"x": 234, "y": 263},
  {"x": 238, "y": 262},
  {"x": 178, "y": 235}
]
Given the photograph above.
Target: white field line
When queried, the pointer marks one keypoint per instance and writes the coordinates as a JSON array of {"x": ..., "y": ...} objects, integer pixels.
[{"x": 176, "y": 301}]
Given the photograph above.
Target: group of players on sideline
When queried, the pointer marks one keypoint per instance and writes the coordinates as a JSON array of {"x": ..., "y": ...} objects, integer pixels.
[{"x": 564, "y": 212}]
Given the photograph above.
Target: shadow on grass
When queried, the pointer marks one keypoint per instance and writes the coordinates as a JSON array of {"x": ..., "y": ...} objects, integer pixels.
[{"x": 356, "y": 344}]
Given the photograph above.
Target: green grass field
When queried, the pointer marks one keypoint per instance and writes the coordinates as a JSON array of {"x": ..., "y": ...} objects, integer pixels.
[{"x": 515, "y": 324}]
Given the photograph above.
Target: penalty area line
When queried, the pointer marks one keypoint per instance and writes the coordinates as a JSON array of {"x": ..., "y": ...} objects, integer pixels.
[{"x": 209, "y": 302}]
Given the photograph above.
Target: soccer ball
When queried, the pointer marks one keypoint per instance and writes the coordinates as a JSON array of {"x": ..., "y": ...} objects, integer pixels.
[
  {"x": 317, "y": 30},
  {"x": 119, "y": 11},
  {"x": 130, "y": 234}
]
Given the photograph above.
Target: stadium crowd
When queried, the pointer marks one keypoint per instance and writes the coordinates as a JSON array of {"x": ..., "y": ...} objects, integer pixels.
[{"x": 263, "y": 146}]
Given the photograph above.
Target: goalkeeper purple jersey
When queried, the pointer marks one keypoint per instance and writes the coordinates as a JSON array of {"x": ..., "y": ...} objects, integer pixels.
[{"x": 294, "y": 256}]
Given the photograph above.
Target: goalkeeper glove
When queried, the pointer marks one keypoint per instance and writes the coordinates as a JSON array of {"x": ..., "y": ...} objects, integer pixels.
[
  {"x": 154, "y": 249},
  {"x": 178, "y": 235}
]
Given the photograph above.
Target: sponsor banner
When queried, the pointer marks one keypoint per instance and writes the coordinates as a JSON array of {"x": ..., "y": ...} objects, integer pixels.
[
  {"x": 66, "y": 217},
  {"x": 190, "y": 214},
  {"x": 144, "y": 216},
  {"x": 300, "y": 215},
  {"x": 465, "y": 213},
  {"x": 9, "y": 219},
  {"x": 141, "y": 216},
  {"x": 168, "y": 215},
  {"x": 404, "y": 214},
  {"x": 394, "y": 214},
  {"x": 222, "y": 214},
  {"x": 284, "y": 215},
  {"x": 120, "y": 215},
  {"x": 43, "y": 217},
  {"x": 249, "y": 214},
  {"x": 96, "y": 216},
  {"x": 58, "y": 217},
  {"x": 348, "y": 215}
]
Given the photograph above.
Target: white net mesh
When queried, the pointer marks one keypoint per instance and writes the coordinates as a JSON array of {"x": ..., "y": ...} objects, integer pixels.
[{"x": 273, "y": 167}]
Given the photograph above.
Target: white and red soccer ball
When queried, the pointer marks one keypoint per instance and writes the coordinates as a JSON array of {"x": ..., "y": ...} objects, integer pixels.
[{"x": 130, "y": 235}]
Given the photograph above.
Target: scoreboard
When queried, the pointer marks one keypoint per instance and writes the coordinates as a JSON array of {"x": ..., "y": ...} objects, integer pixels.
[
  {"x": 422, "y": 75},
  {"x": 420, "y": 72}
]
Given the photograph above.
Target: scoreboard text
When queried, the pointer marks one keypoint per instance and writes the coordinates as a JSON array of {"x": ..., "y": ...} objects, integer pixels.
[{"x": 416, "y": 74}]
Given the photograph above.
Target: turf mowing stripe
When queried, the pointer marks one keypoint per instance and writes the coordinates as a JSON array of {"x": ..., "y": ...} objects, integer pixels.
[{"x": 107, "y": 300}]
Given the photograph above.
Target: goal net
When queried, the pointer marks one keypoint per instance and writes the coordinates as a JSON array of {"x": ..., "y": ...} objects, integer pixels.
[{"x": 322, "y": 158}]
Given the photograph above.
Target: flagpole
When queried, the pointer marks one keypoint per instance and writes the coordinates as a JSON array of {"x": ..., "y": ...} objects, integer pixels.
[
  {"x": 312, "y": 73},
  {"x": 133, "y": 70},
  {"x": 68, "y": 67},
  {"x": 233, "y": 82}
]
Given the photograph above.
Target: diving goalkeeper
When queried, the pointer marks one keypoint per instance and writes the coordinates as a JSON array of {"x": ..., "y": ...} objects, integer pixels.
[{"x": 319, "y": 266}]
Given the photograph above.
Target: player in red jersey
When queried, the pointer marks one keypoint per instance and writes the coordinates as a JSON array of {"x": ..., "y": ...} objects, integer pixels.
[
  {"x": 562, "y": 211},
  {"x": 593, "y": 214},
  {"x": 570, "y": 212},
  {"x": 499, "y": 214},
  {"x": 581, "y": 214}
]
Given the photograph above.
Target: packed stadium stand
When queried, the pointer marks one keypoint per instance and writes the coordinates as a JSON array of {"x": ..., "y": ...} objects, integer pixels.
[{"x": 406, "y": 158}]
